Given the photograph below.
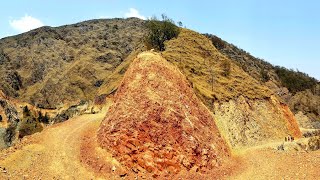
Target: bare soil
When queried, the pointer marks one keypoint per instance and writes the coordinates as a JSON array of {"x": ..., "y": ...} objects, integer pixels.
[{"x": 69, "y": 151}]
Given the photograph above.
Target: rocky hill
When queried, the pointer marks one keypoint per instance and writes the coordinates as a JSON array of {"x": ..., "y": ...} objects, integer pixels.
[
  {"x": 246, "y": 111},
  {"x": 65, "y": 70}
]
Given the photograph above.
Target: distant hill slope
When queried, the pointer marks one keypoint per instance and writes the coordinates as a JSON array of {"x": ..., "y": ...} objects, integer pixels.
[
  {"x": 263, "y": 71},
  {"x": 50, "y": 67},
  {"x": 294, "y": 87}
]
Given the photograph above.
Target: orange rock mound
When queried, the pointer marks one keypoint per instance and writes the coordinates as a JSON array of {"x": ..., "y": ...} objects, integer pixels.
[{"x": 157, "y": 124}]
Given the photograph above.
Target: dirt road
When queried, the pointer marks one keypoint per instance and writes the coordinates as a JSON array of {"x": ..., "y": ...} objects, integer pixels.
[{"x": 51, "y": 154}]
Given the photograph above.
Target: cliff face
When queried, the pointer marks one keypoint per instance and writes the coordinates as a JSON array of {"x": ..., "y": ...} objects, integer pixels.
[
  {"x": 157, "y": 124},
  {"x": 246, "y": 123},
  {"x": 306, "y": 106}
]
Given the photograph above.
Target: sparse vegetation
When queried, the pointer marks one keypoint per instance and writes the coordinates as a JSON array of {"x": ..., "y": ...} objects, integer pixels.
[
  {"x": 26, "y": 111},
  {"x": 216, "y": 41},
  {"x": 54, "y": 54},
  {"x": 226, "y": 68},
  {"x": 295, "y": 81},
  {"x": 264, "y": 75},
  {"x": 43, "y": 119},
  {"x": 160, "y": 31},
  {"x": 28, "y": 126}
]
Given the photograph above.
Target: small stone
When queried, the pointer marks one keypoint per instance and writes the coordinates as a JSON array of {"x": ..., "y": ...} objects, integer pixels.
[{"x": 113, "y": 168}]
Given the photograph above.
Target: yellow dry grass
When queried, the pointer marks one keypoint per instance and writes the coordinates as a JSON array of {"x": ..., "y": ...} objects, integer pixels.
[{"x": 202, "y": 64}]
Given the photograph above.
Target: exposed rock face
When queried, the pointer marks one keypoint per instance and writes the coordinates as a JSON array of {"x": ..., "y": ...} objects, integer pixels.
[
  {"x": 157, "y": 124},
  {"x": 9, "y": 123},
  {"x": 246, "y": 123},
  {"x": 306, "y": 105}
]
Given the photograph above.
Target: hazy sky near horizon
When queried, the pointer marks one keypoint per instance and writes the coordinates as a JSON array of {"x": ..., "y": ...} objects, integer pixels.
[{"x": 285, "y": 32}]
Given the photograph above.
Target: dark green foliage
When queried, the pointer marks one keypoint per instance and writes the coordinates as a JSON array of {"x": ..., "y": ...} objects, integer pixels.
[
  {"x": 98, "y": 83},
  {"x": 264, "y": 75},
  {"x": 26, "y": 111},
  {"x": 216, "y": 41},
  {"x": 226, "y": 68},
  {"x": 29, "y": 126},
  {"x": 295, "y": 81},
  {"x": 43, "y": 119},
  {"x": 3, "y": 57},
  {"x": 160, "y": 31}
]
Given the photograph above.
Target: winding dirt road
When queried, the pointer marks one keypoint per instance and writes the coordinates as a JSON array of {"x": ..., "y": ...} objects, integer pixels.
[
  {"x": 52, "y": 154},
  {"x": 68, "y": 151}
]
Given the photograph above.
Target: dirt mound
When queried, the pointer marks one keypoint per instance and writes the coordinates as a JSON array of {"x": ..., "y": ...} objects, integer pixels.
[{"x": 157, "y": 124}]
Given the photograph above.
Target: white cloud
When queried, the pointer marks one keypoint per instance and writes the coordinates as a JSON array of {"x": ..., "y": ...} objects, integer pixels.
[
  {"x": 134, "y": 13},
  {"x": 25, "y": 23}
]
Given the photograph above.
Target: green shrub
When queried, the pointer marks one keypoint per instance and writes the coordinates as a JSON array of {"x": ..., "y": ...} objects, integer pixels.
[
  {"x": 26, "y": 111},
  {"x": 264, "y": 75},
  {"x": 29, "y": 126},
  {"x": 43, "y": 119},
  {"x": 226, "y": 68},
  {"x": 216, "y": 41},
  {"x": 160, "y": 31}
]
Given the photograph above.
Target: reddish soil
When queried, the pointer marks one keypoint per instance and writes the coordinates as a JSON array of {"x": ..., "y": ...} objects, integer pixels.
[
  {"x": 157, "y": 124},
  {"x": 292, "y": 124}
]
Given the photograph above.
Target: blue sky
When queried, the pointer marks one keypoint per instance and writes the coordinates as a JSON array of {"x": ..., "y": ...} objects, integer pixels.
[{"x": 285, "y": 32}]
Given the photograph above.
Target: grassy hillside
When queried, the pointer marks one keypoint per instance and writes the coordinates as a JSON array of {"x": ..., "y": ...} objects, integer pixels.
[
  {"x": 263, "y": 71},
  {"x": 292, "y": 86},
  {"x": 49, "y": 67},
  {"x": 213, "y": 75}
]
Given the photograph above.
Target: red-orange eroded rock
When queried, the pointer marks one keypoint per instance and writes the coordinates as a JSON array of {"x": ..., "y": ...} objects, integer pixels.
[{"x": 157, "y": 124}]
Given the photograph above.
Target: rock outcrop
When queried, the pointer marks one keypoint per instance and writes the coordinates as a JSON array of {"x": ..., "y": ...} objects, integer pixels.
[
  {"x": 306, "y": 106},
  {"x": 246, "y": 123},
  {"x": 157, "y": 124},
  {"x": 9, "y": 122}
]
